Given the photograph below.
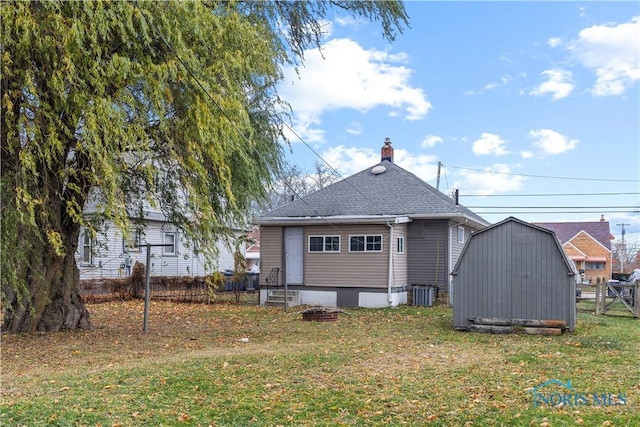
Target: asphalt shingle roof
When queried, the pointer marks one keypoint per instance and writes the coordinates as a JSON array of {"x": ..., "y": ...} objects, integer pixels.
[
  {"x": 393, "y": 192},
  {"x": 565, "y": 231}
]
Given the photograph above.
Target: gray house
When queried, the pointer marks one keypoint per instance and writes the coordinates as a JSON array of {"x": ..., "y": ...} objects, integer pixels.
[
  {"x": 514, "y": 270},
  {"x": 365, "y": 240}
]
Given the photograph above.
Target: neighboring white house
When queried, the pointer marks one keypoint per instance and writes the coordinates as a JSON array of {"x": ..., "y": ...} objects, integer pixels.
[{"x": 111, "y": 255}]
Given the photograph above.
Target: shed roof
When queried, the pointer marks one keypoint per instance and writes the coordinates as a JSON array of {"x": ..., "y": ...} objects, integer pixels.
[{"x": 383, "y": 190}]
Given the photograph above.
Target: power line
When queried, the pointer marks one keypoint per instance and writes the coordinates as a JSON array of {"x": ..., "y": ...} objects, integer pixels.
[
  {"x": 555, "y": 212},
  {"x": 546, "y": 176},
  {"x": 550, "y": 194},
  {"x": 190, "y": 72},
  {"x": 552, "y": 207},
  {"x": 223, "y": 112}
]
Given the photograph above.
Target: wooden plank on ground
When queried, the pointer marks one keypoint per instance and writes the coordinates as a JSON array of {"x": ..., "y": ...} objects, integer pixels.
[
  {"x": 497, "y": 321},
  {"x": 542, "y": 331},
  {"x": 491, "y": 329}
]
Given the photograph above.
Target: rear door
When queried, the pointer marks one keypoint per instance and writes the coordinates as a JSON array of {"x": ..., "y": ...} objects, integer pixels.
[{"x": 294, "y": 255}]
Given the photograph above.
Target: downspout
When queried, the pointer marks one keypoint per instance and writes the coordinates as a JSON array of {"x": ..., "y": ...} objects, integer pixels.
[{"x": 390, "y": 275}]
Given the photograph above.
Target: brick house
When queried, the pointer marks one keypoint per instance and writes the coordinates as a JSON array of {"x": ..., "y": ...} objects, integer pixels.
[{"x": 588, "y": 244}]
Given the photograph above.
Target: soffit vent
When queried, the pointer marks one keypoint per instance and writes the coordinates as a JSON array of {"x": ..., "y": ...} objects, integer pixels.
[{"x": 377, "y": 170}]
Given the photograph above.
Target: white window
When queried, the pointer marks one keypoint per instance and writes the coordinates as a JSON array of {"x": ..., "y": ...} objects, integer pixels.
[
  {"x": 401, "y": 245},
  {"x": 87, "y": 247},
  {"x": 324, "y": 243},
  {"x": 460, "y": 234},
  {"x": 365, "y": 243},
  {"x": 169, "y": 242},
  {"x": 133, "y": 243}
]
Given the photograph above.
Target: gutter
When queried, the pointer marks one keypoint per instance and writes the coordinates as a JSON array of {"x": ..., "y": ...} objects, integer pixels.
[{"x": 346, "y": 219}]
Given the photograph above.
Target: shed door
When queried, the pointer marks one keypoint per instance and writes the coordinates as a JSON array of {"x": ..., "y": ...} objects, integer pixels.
[{"x": 293, "y": 252}]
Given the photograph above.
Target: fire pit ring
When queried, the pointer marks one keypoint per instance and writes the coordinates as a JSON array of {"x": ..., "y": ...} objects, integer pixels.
[{"x": 321, "y": 314}]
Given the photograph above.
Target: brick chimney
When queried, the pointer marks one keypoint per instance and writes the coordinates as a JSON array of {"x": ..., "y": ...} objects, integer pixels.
[{"x": 386, "y": 153}]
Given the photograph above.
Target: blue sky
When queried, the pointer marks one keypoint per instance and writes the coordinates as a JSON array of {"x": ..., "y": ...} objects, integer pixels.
[{"x": 513, "y": 98}]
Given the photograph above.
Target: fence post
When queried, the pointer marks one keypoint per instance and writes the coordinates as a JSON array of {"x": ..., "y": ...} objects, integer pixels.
[
  {"x": 636, "y": 299},
  {"x": 145, "y": 321},
  {"x": 598, "y": 296}
]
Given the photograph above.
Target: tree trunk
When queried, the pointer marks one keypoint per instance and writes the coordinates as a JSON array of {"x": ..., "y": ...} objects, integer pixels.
[{"x": 53, "y": 301}]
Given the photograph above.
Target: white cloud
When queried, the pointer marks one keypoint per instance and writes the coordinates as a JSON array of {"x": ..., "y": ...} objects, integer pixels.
[
  {"x": 489, "y": 144},
  {"x": 349, "y": 160},
  {"x": 552, "y": 142},
  {"x": 355, "y": 128},
  {"x": 612, "y": 52},
  {"x": 494, "y": 179},
  {"x": 505, "y": 80},
  {"x": 526, "y": 154},
  {"x": 505, "y": 58},
  {"x": 423, "y": 166},
  {"x": 347, "y": 21},
  {"x": 303, "y": 127},
  {"x": 327, "y": 29},
  {"x": 558, "y": 84},
  {"x": 554, "y": 41},
  {"x": 347, "y": 76},
  {"x": 430, "y": 141}
]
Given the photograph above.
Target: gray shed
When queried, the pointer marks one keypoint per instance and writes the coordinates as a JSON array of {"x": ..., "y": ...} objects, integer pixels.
[{"x": 513, "y": 270}]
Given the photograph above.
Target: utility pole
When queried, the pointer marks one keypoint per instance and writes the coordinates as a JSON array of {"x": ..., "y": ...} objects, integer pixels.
[
  {"x": 438, "y": 180},
  {"x": 624, "y": 248}
]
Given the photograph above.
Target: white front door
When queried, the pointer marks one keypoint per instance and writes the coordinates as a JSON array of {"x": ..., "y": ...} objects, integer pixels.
[{"x": 293, "y": 253}]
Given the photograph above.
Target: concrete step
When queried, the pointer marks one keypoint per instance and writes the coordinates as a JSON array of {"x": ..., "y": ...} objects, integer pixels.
[{"x": 277, "y": 298}]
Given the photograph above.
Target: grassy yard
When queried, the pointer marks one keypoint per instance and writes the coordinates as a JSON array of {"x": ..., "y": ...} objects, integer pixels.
[{"x": 401, "y": 366}]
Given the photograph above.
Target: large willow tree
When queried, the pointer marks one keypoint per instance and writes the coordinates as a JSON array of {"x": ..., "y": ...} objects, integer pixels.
[{"x": 168, "y": 103}]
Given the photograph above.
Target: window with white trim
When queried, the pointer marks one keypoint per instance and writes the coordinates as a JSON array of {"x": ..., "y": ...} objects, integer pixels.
[
  {"x": 324, "y": 243},
  {"x": 170, "y": 244},
  {"x": 400, "y": 244},
  {"x": 371, "y": 243},
  {"x": 460, "y": 234},
  {"x": 87, "y": 247},
  {"x": 133, "y": 243}
]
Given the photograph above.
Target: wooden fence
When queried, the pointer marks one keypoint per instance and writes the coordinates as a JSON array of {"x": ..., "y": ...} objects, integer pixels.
[
  {"x": 607, "y": 294},
  {"x": 168, "y": 288}
]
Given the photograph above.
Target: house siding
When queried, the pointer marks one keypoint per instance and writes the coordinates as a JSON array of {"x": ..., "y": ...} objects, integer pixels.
[
  {"x": 513, "y": 271},
  {"x": 271, "y": 247},
  {"x": 344, "y": 268},
  {"x": 456, "y": 246},
  {"x": 400, "y": 275},
  {"x": 428, "y": 253},
  {"x": 110, "y": 260}
]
